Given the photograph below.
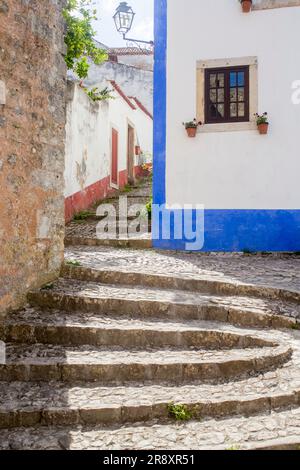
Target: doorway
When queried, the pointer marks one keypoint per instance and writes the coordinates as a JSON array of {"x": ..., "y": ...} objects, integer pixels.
[{"x": 130, "y": 155}]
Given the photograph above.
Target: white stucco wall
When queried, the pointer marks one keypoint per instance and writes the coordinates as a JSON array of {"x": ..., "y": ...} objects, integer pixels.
[
  {"x": 241, "y": 169},
  {"x": 88, "y": 137},
  {"x": 87, "y": 146},
  {"x": 133, "y": 80}
]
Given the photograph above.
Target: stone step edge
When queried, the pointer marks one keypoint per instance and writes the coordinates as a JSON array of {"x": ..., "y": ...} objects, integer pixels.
[
  {"x": 160, "y": 309},
  {"x": 162, "y": 281},
  {"x": 135, "y": 243},
  {"x": 156, "y": 373},
  {"x": 282, "y": 443},
  {"x": 130, "y": 337},
  {"x": 122, "y": 414},
  {"x": 93, "y": 217}
]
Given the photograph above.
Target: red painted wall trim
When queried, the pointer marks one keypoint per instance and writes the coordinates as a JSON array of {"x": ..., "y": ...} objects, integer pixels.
[
  {"x": 82, "y": 200},
  {"x": 121, "y": 93},
  {"x": 141, "y": 106}
]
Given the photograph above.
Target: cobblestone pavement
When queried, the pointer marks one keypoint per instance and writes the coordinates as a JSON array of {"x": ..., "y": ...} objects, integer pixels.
[
  {"x": 266, "y": 430},
  {"x": 97, "y": 357}
]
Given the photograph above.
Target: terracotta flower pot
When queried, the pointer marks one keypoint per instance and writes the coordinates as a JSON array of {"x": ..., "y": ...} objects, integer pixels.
[
  {"x": 191, "y": 131},
  {"x": 246, "y": 6},
  {"x": 263, "y": 128}
]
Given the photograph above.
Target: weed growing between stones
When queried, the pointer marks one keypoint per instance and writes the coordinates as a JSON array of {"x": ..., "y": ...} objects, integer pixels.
[
  {"x": 73, "y": 262},
  {"x": 179, "y": 412},
  {"x": 83, "y": 215},
  {"x": 48, "y": 286},
  {"x": 247, "y": 251}
]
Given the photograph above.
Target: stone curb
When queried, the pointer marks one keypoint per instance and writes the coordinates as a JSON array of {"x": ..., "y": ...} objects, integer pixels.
[
  {"x": 84, "y": 273},
  {"x": 159, "y": 309},
  {"x": 144, "y": 412},
  {"x": 115, "y": 243},
  {"x": 178, "y": 372}
]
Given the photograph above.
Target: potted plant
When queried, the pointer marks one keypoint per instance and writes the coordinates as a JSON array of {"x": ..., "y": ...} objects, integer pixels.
[
  {"x": 191, "y": 127},
  {"x": 246, "y": 5},
  {"x": 262, "y": 123}
]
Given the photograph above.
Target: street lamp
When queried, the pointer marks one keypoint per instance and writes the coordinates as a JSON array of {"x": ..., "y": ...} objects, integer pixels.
[{"x": 123, "y": 19}]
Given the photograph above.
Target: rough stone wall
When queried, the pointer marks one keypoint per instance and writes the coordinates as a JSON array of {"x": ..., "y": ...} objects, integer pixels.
[{"x": 32, "y": 140}]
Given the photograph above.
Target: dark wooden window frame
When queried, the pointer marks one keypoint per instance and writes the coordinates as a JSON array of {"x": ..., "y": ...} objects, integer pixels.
[{"x": 226, "y": 71}]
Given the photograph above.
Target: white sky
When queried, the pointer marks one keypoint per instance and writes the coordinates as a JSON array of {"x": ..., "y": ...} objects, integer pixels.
[{"x": 142, "y": 26}]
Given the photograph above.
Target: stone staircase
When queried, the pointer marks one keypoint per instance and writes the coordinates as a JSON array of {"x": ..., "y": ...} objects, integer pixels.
[
  {"x": 99, "y": 358},
  {"x": 84, "y": 231}
]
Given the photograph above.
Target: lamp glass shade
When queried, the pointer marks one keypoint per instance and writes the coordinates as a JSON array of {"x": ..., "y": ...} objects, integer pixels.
[{"x": 123, "y": 18}]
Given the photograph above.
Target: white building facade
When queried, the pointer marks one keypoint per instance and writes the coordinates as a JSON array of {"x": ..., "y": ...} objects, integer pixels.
[
  {"x": 221, "y": 66},
  {"x": 107, "y": 143}
]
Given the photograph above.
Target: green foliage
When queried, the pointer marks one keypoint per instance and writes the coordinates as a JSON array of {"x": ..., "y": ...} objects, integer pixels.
[
  {"x": 295, "y": 326},
  {"x": 48, "y": 286},
  {"x": 79, "y": 16},
  {"x": 179, "y": 412},
  {"x": 81, "y": 68},
  {"x": 233, "y": 447},
  {"x": 83, "y": 215},
  {"x": 72, "y": 262},
  {"x": 99, "y": 95},
  {"x": 149, "y": 207},
  {"x": 192, "y": 124},
  {"x": 261, "y": 118},
  {"x": 247, "y": 251},
  {"x": 127, "y": 188}
]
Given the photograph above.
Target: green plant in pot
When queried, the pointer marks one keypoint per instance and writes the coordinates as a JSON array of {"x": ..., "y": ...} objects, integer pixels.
[
  {"x": 246, "y": 5},
  {"x": 191, "y": 127},
  {"x": 262, "y": 123}
]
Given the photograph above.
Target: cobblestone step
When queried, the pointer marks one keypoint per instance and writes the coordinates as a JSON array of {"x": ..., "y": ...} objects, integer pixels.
[
  {"x": 118, "y": 366},
  {"x": 276, "y": 430},
  {"x": 73, "y": 295},
  {"x": 142, "y": 242},
  {"x": 84, "y": 272},
  {"x": 34, "y": 325},
  {"x": 229, "y": 273},
  {"x": 54, "y": 403}
]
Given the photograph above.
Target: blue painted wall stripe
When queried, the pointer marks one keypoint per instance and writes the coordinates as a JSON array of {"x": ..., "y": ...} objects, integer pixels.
[{"x": 160, "y": 93}]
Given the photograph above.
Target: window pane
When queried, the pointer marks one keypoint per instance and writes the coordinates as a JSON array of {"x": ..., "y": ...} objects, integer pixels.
[
  {"x": 233, "y": 94},
  {"x": 241, "y": 79},
  {"x": 227, "y": 94},
  {"x": 221, "y": 110},
  {"x": 233, "y": 110},
  {"x": 213, "y": 111},
  {"x": 241, "y": 94},
  {"x": 241, "y": 109},
  {"x": 221, "y": 95},
  {"x": 220, "y": 80},
  {"x": 233, "y": 79},
  {"x": 213, "y": 80},
  {"x": 213, "y": 96}
]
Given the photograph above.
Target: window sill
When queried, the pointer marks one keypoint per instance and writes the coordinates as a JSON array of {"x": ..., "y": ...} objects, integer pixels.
[{"x": 228, "y": 127}]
